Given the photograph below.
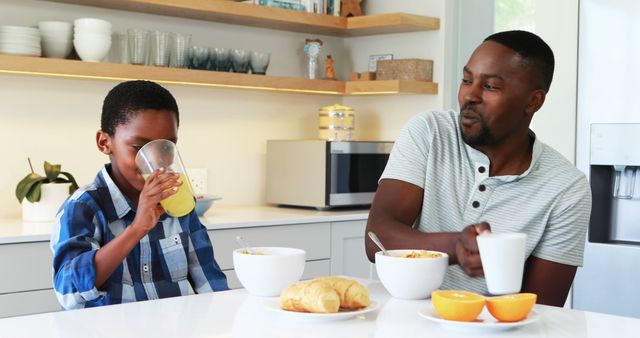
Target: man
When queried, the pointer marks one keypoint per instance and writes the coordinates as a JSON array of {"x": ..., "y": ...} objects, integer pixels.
[{"x": 454, "y": 175}]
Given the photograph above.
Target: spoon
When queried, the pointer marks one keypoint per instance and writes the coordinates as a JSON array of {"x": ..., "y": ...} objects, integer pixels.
[
  {"x": 376, "y": 240},
  {"x": 244, "y": 245}
]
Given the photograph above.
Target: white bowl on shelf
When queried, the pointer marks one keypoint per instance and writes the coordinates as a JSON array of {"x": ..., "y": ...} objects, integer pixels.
[
  {"x": 58, "y": 49},
  {"x": 56, "y": 29},
  {"x": 92, "y": 50},
  {"x": 92, "y": 25}
]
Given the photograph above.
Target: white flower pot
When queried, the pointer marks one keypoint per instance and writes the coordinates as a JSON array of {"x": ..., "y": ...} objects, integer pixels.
[{"x": 52, "y": 197}]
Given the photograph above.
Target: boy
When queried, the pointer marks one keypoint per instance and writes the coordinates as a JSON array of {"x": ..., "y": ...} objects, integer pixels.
[{"x": 112, "y": 242}]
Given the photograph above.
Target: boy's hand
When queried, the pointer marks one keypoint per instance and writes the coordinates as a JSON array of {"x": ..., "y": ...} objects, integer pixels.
[
  {"x": 158, "y": 186},
  {"x": 467, "y": 249}
]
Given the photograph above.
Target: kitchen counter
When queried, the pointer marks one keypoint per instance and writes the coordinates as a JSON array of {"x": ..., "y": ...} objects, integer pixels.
[
  {"x": 237, "y": 314},
  {"x": 218, "y": 217}
]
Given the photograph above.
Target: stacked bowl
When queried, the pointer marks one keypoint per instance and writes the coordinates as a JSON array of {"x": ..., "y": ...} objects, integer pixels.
[
  {"x": 20, "y": 40},
  {"x": 92, "y": 38},
  {"x": 56, "y": 38}
]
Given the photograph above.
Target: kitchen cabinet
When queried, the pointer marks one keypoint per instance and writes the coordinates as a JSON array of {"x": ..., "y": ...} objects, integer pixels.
[
  {"x": 239, "y": 14},
  {"x": 26, "y": 283},
  {"x": 348, "y": 256}
]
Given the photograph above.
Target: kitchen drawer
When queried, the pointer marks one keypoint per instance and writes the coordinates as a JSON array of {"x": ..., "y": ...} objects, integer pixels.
[
  {"x": 314, "y": 238},
  {"x": 24, "y": 303},
  {"x": 311, "y": 270},
  {"x": 25, "y": 267}
]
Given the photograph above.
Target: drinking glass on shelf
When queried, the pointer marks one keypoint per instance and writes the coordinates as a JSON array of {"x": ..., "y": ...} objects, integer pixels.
[
  {"x": 119, "y": 52},
  {"x": 138, "y": 45},
  {"x": 211, "y": 63},
  {"x": 259, "y": 62},
  {"x": 160, "y": 48},
  {"x": 223, "y": 59},
  {"x": 199, "y": 57},
  {"x": 240, "y": 60},
  {"x": 179, "y": 50}
]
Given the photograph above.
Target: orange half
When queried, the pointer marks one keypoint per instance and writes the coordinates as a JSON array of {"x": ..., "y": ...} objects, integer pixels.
[
  {"x": 511, "y": 308},
  {"x": 462, "y": 306}
]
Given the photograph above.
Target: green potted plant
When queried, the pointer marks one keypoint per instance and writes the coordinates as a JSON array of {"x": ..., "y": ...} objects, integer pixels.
[{"x": 42, "y": 196}]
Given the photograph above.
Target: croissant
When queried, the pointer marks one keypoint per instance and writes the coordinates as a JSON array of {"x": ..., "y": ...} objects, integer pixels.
[
  {"x": 353, "y": 295},
  {"x": 310, "y": 296}
]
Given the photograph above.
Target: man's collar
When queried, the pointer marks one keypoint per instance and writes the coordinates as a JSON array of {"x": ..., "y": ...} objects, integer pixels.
[{"x": 477, "y": 156}]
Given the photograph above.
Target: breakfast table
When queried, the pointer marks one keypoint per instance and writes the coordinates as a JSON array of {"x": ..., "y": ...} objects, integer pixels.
[{"x": 235, "y": 313}]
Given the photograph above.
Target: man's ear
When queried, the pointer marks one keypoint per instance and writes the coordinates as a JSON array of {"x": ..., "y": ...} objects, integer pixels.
[
  {"x": 536, "y": 99},
  {"x": 103, "y": 141}
]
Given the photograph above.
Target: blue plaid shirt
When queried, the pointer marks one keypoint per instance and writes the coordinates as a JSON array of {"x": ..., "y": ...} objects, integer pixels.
[{"x": 175, "y": 254}]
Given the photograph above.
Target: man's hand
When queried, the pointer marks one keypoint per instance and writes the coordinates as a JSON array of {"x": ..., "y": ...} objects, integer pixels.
[
  {"x": 158, "y": 186},
  {"x": 467, "y": 253}
]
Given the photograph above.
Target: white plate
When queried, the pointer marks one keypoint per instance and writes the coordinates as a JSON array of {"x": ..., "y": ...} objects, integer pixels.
[
  {"x": 484, "y": 322},
  {"x": 274, "y": 305}
]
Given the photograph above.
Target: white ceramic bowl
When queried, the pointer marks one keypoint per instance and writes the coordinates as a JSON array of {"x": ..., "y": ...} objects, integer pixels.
[
  {"x": 410, "y": 278},
  {"x": 204, "y": 203},
  {"x": 269, "y": 273},
  {"x": 59, "y": 49},
  {"x": 58, "y": 29},
  {"x": 92, "y": 25},
  {"x": 92, "y": 50}
]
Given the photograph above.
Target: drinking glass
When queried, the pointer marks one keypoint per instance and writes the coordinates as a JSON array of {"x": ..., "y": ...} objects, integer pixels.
[
  {"x": 138, "y": 45},
  {"x": 259, "y": 62},
  {"x": 240, "y": 60},
  {"x": 223, "y": 59},
  {"x": 179, "y": 50},
  {"x": 164, "y": 154},
  {"x": 160, "y": 48},
  {"x": 199, "y": 57}
]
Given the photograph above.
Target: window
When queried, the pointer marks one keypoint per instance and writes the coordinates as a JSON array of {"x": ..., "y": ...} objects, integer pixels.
[{"x": 515, "y": 14}]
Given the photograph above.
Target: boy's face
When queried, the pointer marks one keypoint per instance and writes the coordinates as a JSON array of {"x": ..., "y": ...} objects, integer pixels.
[{"x": 144, "y": 126}]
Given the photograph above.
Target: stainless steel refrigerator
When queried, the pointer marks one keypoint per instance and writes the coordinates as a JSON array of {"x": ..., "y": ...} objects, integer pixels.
[{"x": 608, "y": 152}]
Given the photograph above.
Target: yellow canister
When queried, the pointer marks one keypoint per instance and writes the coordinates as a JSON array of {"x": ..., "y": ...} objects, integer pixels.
[{"x": 336, "y": 123}]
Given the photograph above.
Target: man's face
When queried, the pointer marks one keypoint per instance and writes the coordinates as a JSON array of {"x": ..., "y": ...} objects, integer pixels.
[
  {"x": 494, "y": 94},
  {"x": 123, "y": 145}
]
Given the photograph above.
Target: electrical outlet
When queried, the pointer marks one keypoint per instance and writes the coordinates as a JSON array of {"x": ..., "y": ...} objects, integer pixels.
[{"x": 198, "y": 179}]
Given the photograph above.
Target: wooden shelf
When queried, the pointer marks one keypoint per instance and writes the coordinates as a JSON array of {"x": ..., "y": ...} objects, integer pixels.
[
  {"x": 272, "y": 18},
  {"x": 23, "y": 65}
]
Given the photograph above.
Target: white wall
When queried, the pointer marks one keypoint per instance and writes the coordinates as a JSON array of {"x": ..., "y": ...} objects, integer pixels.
[
  {"x": 382, "y": 117},
  {"x": 555, "y": 123},
  {"x": 223, "y": 130}
]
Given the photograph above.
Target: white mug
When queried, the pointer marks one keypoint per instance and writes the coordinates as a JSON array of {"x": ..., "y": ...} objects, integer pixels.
[{"x": 502, "y": 257}]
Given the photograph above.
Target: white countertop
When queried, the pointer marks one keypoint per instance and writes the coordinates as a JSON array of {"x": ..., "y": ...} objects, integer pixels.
[
  {"x": 237, "y": 314},
  {"x": 218, "y": 217}
]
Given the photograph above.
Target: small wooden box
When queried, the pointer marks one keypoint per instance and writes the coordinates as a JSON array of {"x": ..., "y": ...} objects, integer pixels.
[{"x": 405, "y": 69}]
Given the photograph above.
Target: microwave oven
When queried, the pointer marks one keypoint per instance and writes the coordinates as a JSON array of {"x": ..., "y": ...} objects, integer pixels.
[{"x": 324, "y": 174}]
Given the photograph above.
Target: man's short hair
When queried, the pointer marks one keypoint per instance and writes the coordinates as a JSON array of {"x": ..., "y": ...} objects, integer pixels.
[
  {"x": 127, "y": 98},
  {"x": 535, "y": 53}
]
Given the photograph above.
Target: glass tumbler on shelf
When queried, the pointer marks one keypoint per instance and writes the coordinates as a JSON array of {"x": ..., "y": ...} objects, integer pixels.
[
  {"x": 198, "y": 57},
  {"x": 222, "y": 59},
  {"x": 138, "y": 45},
  {"x": 119, "y": 52},
  {"x": 259, "y": 62},
  {"x": 240, "y": 60},
  {"x": 159, "y": 49},
  {"x": 164, "y": 154},
  {"x": 180, "y": 43}
]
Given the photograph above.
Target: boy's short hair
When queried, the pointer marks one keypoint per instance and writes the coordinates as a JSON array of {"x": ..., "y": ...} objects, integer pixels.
[
  {"x": 536, "y": 53},
  {"x": 127, "y": 98}
]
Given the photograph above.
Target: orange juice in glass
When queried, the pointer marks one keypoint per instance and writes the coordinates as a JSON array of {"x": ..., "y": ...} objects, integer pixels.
[{"x": 164, "y": 154}]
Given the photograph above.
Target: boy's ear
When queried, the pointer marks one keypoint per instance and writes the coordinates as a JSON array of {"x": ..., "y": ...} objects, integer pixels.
[{"x": 103, "y": 141}]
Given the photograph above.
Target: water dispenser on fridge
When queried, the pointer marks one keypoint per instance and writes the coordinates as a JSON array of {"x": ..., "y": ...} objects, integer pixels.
[{"x": 608, "y": 281}]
